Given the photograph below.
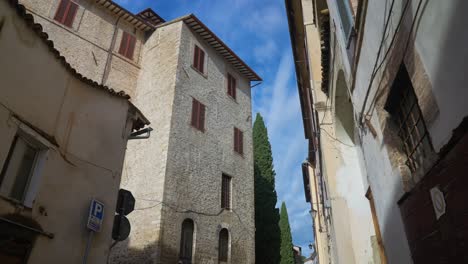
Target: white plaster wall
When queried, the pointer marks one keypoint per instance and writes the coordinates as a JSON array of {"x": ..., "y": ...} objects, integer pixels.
[{"x": 441, "y": 40}]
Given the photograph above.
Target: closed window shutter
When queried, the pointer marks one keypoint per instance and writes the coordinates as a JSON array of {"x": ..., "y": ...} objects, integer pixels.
[
  {"x": 233, "y": 87},
  {"x": 229, "y": 90},
  {"x": 241, "y": 142},
  {"x": 127, "y": 45},
  {"x": 194, "y": 112},
  {"x": 70, "y": 16},
  {"x": 195, "y": 56},
  {"x": 202, "y": 117},
  {"x": 123, "y": 43},
  {"x": 236, "y": 148},
  {"x": 202, "y": 61},
  {"x": 130, "y": 46},
  {"x": 66, "y": 12}
]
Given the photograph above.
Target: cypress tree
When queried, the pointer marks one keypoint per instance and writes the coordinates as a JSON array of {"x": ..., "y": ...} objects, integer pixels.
[
  {"x": 287, "y": 255},
  {"x": 267, "y": 234}
]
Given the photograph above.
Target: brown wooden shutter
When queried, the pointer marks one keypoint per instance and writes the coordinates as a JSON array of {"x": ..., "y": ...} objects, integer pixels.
[
  {"x": 233, "y": 87},
  {"x": 123, "y": 44},
  {"x": 241, "y": 142},
  {"x": 194, "y": 112},
  {"x": 196, "y": 56},
  {"x": 66, "y": 12},
  {"x": 62, "y": 8},
  {"x": 201, "y": 119},
  {"x": 70, "y": 15},
  {"x": 229, "y": 84},
  {"x": 131, "y": 46},
  {"x": 202, "y": 61},
  {"x": 235, "y": 140}
]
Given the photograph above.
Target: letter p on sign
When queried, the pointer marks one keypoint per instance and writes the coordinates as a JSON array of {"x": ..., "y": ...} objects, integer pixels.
[{"x": 96, "y": 215}]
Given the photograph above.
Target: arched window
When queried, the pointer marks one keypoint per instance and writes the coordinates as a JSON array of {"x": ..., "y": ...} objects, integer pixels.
[
  {"x": 223, "y": 245},
  {"x": 186, "y": 242}
]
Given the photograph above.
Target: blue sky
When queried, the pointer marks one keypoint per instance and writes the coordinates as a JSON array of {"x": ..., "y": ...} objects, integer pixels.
[{"x": 258, "y": 32}]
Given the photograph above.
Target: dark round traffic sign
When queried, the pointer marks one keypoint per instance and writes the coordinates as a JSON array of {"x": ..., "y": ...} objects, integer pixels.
[{"x": 121, "y": 229}]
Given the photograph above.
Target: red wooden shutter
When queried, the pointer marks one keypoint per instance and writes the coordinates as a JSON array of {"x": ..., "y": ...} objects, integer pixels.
[
  {"x": 66, "y": 12},
  {"x": 236, "y": 139},
  {"x": 131, "y": 46},
  {"x": 127, "y": 45},
  {"x": 233, "y": 87},
  {"x": 241, "y": 142},
  {"x": 195, "y": 56},
  {"x": 194, "y": 112},
  {"x": 123, "y": 44},
  {"x": 202, "y": 61},
  {"x": 201, "y": 119}
]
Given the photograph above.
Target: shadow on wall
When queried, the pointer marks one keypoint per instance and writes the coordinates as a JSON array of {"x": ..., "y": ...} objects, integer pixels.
[{"x": 131, "y": 255}]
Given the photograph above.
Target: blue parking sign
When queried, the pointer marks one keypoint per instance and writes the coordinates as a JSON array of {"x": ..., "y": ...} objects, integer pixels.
[{"x": 96, "y": 215}]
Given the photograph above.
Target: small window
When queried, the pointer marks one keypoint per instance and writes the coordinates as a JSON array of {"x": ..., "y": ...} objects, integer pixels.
[
  {"x": 18, "y": 169},
  {"x": 127, "y": 45},
  {"x": 223, "y": 246},
  {"x": 66, "y": 12},
  {"x": 186, "y": 242},
  {"x": 198, "y": 115},
  {"x": 238, "y": 141},
  {"x": 199, "y": 59},
  {"x": 231, "y": 86},
  {"x": 402, "y": 104},
  {"x": 226, "y": 192}
]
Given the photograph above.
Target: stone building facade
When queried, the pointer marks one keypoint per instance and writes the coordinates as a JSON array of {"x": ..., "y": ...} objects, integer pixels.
[
  {"x": 62, "y": 144},
  {"x": 177, "y": 174},
  {"x": 390, "y": 75}
]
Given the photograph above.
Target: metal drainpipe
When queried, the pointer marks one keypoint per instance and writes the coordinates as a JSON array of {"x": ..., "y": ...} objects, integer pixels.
[{"x": 105, "y": 75}]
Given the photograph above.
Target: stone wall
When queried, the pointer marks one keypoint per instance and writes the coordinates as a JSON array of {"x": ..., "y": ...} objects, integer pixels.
[
  {"x": 146, "y": 160},
  {"x": 196, "y": 160},
  {"x": 87, "y": 43}
]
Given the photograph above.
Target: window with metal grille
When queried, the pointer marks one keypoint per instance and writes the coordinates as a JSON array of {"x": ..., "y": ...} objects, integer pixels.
[
  {"x": 226, "y": 192},
  {"x": 231, "y": 86},
  {"x": 223, "y": 246},
  {"x": 346, "y": 17},
  {"x": 402, "y": 104},
  {"x": 127, "y": 45},
  {"x": 186, "y": 242},
  {"x": 198, "y": 115},
  {"x": 199, "y": 59},
  {"x": 66, "y": 12}
]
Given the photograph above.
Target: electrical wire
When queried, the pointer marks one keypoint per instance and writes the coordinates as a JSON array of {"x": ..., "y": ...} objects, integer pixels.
[
  {"x": 370, "y": 111},
  {"x": 376, "y": 62}
]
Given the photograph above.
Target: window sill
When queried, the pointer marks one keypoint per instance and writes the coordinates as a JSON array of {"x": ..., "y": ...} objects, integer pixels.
[
  {"x": 122, "y": 57},
  {"x": 197, "y": 129},
  {"x": 17, "y": 204},
  {"x": 239, "y": 154},
  {"x": 199, "y": 72},
  {"x": 232, "y": 98}
]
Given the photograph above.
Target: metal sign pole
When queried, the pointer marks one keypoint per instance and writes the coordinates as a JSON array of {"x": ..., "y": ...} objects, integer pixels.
[{"x": 88, "y": 244}]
